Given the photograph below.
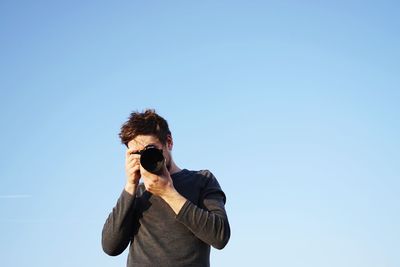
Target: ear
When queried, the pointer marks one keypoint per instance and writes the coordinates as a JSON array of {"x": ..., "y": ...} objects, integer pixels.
[{"x": 170, "y": 142}]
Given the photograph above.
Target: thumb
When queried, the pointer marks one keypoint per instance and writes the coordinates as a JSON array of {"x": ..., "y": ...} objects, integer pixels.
[{"x": 165, "y": 169}]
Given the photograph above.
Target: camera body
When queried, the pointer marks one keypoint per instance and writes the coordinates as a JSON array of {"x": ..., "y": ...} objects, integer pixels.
[{"x": 152, "y": 159}]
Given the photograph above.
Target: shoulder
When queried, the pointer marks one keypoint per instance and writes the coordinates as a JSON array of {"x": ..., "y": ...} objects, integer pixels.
[
  {"x": 206, "y": 178},
  {"x": 206, "y": 173},
  {"x": 211, "y": 188},
  {"x": 203, "y": 175}
]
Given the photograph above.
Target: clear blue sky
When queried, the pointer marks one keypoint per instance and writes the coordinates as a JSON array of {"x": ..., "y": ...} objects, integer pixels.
[{"x": 293, "y": 105}]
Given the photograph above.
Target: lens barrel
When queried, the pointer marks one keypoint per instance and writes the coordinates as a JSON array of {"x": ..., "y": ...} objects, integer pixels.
[{"x": 152, "y": 159}]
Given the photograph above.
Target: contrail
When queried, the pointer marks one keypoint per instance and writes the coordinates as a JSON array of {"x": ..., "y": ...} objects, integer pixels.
[{"x": 15, "y": 196}]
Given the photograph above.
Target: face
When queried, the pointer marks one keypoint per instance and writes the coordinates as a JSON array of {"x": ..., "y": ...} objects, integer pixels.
[{"x": 141, "y": 141}]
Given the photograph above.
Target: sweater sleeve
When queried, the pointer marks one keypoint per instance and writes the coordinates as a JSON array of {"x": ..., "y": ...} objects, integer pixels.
[
  {"x": 119, "y": 226},
  {"x": 208, "y": 222}
]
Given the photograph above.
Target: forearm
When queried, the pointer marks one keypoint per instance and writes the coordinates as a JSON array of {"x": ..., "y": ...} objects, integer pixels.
[
  {"x": 131, "y": 188},
  {"x": 118, "y": 226},
  {"x": 211, "y": 226},
  {"x": 174, "y": 200}
]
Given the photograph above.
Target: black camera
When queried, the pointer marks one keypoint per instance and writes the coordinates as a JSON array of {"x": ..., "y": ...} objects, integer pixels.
[{"x": 151, "y": 159}]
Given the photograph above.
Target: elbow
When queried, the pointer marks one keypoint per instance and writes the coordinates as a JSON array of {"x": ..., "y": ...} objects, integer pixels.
[
  {"x": 111, "y": 252},
  {"x": 220, "y": 244},
  {"x": 110, "y": 248},
  {"x": 223, "y": 239}
]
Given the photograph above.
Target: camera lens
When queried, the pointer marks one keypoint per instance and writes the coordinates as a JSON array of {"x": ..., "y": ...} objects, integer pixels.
[{"x": 152, "y": 159}]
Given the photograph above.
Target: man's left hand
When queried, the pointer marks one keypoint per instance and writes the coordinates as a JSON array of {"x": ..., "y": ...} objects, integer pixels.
[{"x": 163, "y": 186}]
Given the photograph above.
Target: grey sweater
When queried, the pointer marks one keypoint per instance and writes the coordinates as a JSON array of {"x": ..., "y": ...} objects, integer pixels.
[{"x": 157, "y": 236}]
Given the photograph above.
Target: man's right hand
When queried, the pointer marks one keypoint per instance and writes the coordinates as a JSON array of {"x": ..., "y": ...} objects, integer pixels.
[{"x": 132, "y": 170}]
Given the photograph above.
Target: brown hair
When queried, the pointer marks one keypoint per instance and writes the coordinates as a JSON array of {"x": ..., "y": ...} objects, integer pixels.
[{"x": 145, "y": 123}]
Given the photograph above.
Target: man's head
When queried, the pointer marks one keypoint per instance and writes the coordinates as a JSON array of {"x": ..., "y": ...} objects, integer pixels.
[
  {"x": 147, "y": 128},
  {"x": 145, "y": 123}
]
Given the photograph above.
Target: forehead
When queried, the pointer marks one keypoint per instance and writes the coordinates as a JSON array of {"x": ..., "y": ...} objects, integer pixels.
[{"x": 140, "y": 141}]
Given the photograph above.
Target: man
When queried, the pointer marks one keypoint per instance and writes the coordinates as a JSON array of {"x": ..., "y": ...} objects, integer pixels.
[{"x": 173, "y": 217}]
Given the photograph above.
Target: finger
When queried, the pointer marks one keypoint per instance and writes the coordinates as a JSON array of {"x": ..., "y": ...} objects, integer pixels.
[
  {"x": 148, "y": 175},
  {"x": 131, "y": 151},
  {"x": 135, "y": 166},
  {"x": 143, "y": 171},
  {"x": 132, "y": 158},
  {"x": 132, "y": 172}
]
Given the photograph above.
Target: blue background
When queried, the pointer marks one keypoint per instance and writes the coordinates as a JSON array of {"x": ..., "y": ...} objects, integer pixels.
[{"x": 293, "y": 105}]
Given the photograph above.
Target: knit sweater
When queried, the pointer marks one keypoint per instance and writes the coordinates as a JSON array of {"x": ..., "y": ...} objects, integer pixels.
[{"x": 159, "y": 237}]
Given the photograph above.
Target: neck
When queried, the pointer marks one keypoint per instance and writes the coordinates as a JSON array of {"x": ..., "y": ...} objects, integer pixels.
[{"x": 174, "y": 168}]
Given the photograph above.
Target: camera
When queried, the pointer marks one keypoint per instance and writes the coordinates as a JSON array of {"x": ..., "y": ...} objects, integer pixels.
[{"x": 151, "y": 159}]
